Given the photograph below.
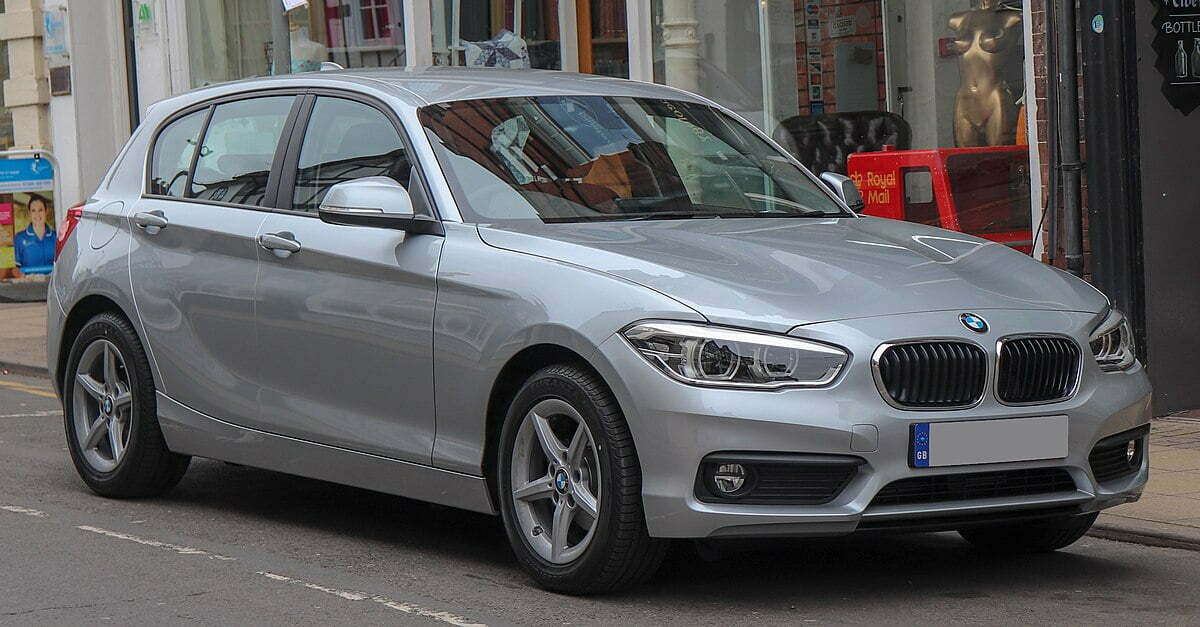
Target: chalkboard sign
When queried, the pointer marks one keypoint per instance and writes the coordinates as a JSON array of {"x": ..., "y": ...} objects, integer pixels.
[{"x": 1177, "y": 44}]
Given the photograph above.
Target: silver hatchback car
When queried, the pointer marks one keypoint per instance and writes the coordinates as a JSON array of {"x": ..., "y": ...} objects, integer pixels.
[{"x": 611, "y": 312}]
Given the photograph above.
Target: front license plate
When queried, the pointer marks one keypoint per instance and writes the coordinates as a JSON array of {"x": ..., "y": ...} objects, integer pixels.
[{"x": 988, "y": 441}]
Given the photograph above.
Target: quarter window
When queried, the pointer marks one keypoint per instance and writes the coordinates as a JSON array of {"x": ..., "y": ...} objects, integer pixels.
[
  {"x": 346, "y": 140},
  {"x": 173, "y": 154},
  {"x": 238, "y": 149}
]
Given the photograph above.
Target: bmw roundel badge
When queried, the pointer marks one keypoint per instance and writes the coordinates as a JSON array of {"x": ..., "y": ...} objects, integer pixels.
[{"x": 974, "y": 322}]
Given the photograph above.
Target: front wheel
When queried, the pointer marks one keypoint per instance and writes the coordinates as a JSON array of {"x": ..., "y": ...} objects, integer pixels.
[
  {"x": 570, "y": 486},
  {"x": 1040, "y": 536}
]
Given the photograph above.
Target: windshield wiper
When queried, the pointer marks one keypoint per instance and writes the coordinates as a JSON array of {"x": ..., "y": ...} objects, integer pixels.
[
  {"x": 668, "y": 215},
  {"x": 774, "y": 214}
]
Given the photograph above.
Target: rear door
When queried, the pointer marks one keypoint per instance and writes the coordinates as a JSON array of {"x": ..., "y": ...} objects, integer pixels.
[
  {"x": 193, "y": 258},
  {"x": 345, "y": 318}
]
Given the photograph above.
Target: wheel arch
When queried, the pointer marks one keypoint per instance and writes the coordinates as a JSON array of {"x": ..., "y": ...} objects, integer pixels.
[
  {"x": 519, "y": 368},
  {"x": 83, "y": 310}
]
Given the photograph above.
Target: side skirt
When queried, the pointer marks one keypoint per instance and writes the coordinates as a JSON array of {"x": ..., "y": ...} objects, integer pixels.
[{"x": 192, "y": 433}]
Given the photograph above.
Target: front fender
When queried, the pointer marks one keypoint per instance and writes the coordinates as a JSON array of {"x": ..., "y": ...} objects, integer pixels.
[{"x": 493, "y": 303}]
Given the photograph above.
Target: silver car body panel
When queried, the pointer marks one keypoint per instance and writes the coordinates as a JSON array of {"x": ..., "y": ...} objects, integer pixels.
[
  {"x": 791, "y": 272},
  {"x": 372, "y": 355}
]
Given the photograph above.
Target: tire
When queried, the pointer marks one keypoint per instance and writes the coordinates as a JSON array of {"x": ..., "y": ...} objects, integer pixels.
[
  {"x": 144, "y": 466},
  {"x": 617, "y": 553},
  {"x": 1041, "y": 536}
]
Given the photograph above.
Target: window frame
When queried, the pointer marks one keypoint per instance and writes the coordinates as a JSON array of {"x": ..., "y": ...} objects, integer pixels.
[
  {"x": 152, "y": 147},
  {"x": 282, "y": 179},
  {"x": 210, "y": 105},
  {"x": 291, "y": 160}
]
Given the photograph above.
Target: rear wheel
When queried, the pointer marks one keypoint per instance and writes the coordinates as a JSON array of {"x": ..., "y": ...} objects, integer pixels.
[
  {"x": 1041, "y": 536},
  {"x": 570, "y": 486},
  {"x": 111, "y": 415}
]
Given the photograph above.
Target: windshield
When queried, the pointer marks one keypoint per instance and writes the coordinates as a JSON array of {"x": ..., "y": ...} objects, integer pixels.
[{"x": 595, "y": 158}]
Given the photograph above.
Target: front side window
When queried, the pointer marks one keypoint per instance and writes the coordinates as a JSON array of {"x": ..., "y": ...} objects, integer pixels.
[
  {"x": 594, "y": 158},
  {"x": 346, "y": 140},
  {"x": 173, "y": 154},
  {"x": 238, "y": 149}
]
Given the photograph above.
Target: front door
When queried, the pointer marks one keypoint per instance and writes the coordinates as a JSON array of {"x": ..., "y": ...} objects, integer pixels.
[
  {"x": 345, "y": 318},
  {"x": 193, "y": 260}
]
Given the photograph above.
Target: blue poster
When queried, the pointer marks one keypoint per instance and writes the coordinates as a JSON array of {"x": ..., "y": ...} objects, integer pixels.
[{"x": 28, "y": 238}]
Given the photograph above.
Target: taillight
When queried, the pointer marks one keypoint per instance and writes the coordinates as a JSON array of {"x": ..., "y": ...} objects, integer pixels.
[{"x": 73, "y": 216}]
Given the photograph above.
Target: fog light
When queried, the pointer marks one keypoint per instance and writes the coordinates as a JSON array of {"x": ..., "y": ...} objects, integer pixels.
[
  {"x": 1131, "y": 452},
  {"x": 729, "y": 478}
]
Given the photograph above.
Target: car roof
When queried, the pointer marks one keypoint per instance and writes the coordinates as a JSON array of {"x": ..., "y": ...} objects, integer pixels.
[{"x": 420, "y": 86}]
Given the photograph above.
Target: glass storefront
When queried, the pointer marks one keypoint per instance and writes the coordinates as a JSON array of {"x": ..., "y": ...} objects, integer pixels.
[
  {"x": 920, "y": 102},
  {"x": 497, "y": 33},
  {"x": 231, "y": 39},
  {"x": 530, "y": 34}
]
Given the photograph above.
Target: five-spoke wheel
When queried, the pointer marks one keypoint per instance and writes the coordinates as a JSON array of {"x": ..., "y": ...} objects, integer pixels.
[
  {"x": 103, "y": 405},
  {"x": 555, "y": 479},
  {"x": 570, "y": 485}
]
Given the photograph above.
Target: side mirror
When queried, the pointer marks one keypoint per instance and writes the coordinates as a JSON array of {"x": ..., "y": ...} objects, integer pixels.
[
  {"x": 845, "y": 189},
  {"x": 376, "y": 201}
]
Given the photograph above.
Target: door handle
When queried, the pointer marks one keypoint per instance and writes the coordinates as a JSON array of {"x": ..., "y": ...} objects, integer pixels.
[
  {"x": 281, "y": 244},
  {"x": 150, "y": 221}
]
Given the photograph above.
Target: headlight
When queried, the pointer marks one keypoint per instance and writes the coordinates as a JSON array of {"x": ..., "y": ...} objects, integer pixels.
[
  {"x": 721, "y": 357},
  {"x": 1112, "y": 343}
]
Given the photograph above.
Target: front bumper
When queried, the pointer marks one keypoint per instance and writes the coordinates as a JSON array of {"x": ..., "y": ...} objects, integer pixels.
[{"x": 676, "y": 425}]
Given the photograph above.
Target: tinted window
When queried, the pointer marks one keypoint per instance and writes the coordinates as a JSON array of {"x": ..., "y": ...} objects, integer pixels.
[
  {"x": 239, "y": 146},
  {"x": 346, "y": 140},
  {"x": 173, "y": 154},
  {"x": 991, "y": 191},
  {"x": 920, "y": 204}
]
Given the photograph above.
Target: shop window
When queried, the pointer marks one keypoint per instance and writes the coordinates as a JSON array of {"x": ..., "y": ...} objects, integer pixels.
[
  {"x": 238, "y": 148},
  {"x": 604, "y": 38},
  {"x": 497, "y": 33},
  {"x": 231, "y": 39},
  {"x": 346, "y": 140},
  {"x": 914, "y": 83},
  {"x": 173, "y": 153}
]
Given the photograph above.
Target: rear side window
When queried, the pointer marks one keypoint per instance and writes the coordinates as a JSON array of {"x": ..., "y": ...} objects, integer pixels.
[
  {"x": 173, "y": 154},
  {"x": 346, "y": 140},
  {"x": 238, "y": 149}
]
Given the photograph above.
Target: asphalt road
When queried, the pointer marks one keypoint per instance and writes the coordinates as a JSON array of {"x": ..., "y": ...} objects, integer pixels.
[{"x": 235, "y": 545}]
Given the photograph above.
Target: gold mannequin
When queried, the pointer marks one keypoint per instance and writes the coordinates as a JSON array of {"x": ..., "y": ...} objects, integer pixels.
[{"x": 990, "y": 42}]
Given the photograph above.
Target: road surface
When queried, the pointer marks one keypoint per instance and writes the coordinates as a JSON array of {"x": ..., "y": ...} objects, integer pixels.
[{"x": 236, "y": 545}]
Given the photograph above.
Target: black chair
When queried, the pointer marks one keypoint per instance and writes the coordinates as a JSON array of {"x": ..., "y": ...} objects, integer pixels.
[{"x": 824, "y": 142}]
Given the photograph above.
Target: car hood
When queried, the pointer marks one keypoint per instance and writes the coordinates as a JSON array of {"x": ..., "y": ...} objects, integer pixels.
[{"x": 778, "y": 273}]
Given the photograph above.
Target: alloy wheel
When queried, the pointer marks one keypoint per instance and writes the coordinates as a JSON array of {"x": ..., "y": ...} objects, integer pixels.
[
  {"x": 102, "y": 404},
  {"x": 555, "y": 479}
]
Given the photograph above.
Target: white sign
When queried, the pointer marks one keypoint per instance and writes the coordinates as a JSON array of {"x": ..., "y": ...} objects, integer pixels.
[
  {"x": 842, "y": 27},
  {"x": 288, "y": 5},
  {"x": 55, "y": 42}
]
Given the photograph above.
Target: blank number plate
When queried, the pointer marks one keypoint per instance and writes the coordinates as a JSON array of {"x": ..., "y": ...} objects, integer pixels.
[{"x": 988, "y": 441}]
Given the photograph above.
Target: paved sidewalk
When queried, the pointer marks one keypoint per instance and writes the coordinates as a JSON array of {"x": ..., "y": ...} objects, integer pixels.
[
  {"x": 1168, "y": 513},
  {"x": 23, "y": 337}
]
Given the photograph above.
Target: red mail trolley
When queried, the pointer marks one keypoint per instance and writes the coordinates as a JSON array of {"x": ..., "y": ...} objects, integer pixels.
[{"x": 980, "y": 191}]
